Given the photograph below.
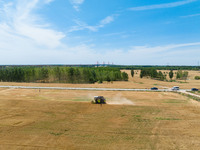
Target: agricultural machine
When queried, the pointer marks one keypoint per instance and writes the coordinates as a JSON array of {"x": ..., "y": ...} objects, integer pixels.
[{"x": 99, "y": 100}]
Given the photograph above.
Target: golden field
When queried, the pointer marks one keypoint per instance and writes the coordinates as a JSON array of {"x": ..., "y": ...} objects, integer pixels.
[{"x": 63, "y": 119}]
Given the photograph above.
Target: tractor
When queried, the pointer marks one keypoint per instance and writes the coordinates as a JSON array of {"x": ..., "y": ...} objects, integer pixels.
[{"x": 99, "y": 100}]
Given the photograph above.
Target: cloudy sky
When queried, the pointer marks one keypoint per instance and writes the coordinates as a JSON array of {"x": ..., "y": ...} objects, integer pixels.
[{"x": 128, "y": 32}]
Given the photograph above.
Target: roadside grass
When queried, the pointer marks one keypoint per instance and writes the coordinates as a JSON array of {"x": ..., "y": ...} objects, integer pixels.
[
  {"x": 195, "y": 92},
  {"x": 182, "y": 82},
  {"x": 191, "y": 97}
]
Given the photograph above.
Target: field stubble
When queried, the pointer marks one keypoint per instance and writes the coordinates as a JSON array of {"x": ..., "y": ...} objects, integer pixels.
[
  {"x": 53, "y": 119},
  {"x": 64, "y": 119}
]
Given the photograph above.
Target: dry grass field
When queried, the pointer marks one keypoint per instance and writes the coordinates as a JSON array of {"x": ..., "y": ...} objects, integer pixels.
[
  {"x": 53, "y": 119},
  {"x": 63, "y": 119}
]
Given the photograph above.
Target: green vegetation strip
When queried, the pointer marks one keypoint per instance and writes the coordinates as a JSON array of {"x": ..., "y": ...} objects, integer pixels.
[{"x": 190, "y": 96}]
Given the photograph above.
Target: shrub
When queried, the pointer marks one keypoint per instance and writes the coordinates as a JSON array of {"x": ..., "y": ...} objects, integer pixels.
[{"x": 197, "y": 77}]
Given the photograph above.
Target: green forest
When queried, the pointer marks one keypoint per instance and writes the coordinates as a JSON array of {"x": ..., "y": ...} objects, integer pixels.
[{"x": 61, "y": 74}]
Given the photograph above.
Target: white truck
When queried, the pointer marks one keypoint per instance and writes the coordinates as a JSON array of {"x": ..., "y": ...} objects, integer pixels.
[{"x": 175, "y": 88}]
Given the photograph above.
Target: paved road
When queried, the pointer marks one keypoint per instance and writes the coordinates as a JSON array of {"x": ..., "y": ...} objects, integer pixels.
[
  {"x": 90, "y": 89},
  {"x": 185, "y": 91}
]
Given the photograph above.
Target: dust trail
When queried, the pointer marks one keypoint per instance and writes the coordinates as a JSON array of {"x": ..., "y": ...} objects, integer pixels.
[
  {"x": 116, "y": 100},
  {"x": 119, "y": 100}
]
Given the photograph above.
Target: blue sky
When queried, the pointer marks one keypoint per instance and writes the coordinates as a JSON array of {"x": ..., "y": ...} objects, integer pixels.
[{"x": 128, "y": 32}]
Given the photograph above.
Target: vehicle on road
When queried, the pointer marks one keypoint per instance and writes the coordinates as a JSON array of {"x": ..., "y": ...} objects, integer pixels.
[
  {"x": 194, "y": 89},
  {"x": 154, "y": 88},
  {"x": 99, "y": 100},
  {"x": 175, "y": 88}
]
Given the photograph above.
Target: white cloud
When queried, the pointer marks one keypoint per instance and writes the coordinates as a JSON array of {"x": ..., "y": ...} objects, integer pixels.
[
  {"x": 19, "y": 20},
  {"x": 76, "y": 4},
  {"x": 48, "y": 1},
  {"x": 188, "y": 16},
  {"x": 175, "y": 54},
  {"x": 25, "y": 38},
  {"x": 165, "y": 5},
  {"x": 82, "y": 25},
  {"x": 158, "y": 49},
  {"x": 114, "y": 34},
  {"x": 107, "y": 20},
  {"x": 16, "y": 49}
]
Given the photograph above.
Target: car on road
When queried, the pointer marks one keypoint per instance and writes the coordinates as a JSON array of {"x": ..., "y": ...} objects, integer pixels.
[
  {"x": 194, "y": 89},
  {"x": 154, "y": 88},
  {"x": 175, "y": 88}
]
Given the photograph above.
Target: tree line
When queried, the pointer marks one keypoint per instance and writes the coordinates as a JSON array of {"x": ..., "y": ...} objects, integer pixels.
[
  {"x": 126, "y": 67},
  {"x": 140, "y": 67},
  {"x": 61, "y": 74},
  {"x": 153, "y": 73}
]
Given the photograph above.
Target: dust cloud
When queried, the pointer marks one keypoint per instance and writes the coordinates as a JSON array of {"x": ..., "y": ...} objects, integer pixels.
[
  {"x": 116, "y": 100},
  {"x": 119, "y": 100}
]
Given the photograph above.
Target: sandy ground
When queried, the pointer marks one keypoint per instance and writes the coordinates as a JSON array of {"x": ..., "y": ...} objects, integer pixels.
[
  {"x": 135, "y": 82},
  {"x": 54, "y": 119}
]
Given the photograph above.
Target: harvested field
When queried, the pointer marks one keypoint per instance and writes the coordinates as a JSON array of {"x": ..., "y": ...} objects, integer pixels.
[{"x": 53, "y": 119}]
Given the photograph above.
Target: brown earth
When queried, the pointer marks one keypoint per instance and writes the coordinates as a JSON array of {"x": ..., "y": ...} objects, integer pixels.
[{"x": 59, "y": 119}]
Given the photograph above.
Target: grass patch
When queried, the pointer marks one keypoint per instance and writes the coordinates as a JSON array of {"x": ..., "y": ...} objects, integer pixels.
[
  {"x": 173, "y": 101},
  {"x": 137, "y": 116},
  {"x": 181, "y": 82},
  {"x": 81, "y": 100},
  {"x": 56, "y": 134},
  {"x": 123, "y": 115},
  {"x": 161, "y": 118},
  {"x": 195, "y": 92},
  {"x": 191, "y": 97}
]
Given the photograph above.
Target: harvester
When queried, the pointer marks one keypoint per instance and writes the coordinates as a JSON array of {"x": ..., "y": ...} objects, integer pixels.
[{"x": 99, "y": 100}]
